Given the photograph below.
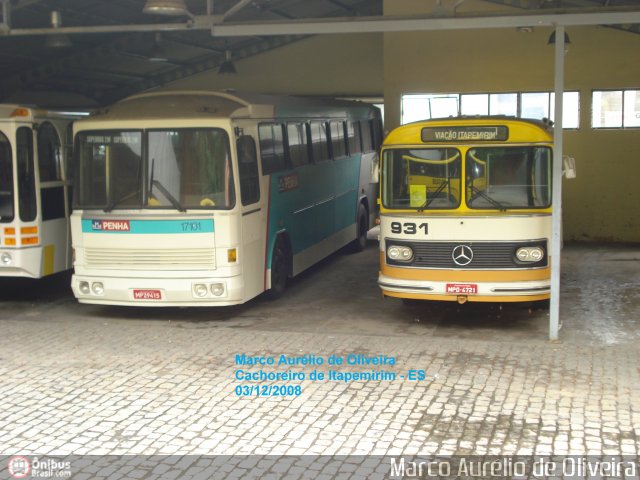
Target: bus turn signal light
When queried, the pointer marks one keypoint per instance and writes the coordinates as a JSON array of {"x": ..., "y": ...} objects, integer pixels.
[
  {"x": 29, "y": 240},
  {"x": 20, "y": 112}
]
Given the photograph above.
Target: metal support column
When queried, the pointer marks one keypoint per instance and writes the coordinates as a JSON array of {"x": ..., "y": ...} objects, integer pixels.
[
  {"x": 556, "y": 218},
  {"x": 5, "y": 26}
]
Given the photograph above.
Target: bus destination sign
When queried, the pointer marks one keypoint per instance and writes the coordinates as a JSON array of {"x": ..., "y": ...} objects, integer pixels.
[{"x": 465, "y": 134}]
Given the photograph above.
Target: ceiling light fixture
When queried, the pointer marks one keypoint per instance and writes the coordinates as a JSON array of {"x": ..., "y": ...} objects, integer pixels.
[
  {"x": 156, "y": 54},
  {"x": 166, "y": 7},
  {"x": 59, "y": 40},
  {"x": 227, "y": 67},
  {"x": 552, "y": 38}
]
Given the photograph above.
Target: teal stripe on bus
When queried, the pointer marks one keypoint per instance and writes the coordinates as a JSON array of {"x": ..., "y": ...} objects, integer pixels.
[
  {"x": 313, "y": 202},
  {"x": 147, "y": 226}
]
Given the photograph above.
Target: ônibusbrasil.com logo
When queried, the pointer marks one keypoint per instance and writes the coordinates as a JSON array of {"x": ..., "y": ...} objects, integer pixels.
[{"x": 22, "y": 467}]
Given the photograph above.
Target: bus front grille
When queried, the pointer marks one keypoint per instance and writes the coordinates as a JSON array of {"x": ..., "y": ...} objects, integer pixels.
[
  {"x": 172, "y": 259},
  {"x": 484, "y": 255}
]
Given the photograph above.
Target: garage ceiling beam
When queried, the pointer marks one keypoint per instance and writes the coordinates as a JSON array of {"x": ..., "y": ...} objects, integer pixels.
[
  {"x": 538, "y": 4},
  {"x": 350, "y": 25},
  {"x": 12, "y": 82},
  {"x": 402, "y": 24},
  {"x": 236, "y": 8}
]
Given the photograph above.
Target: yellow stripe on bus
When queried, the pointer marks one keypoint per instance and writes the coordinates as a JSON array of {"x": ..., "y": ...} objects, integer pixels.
[
  {"x": 469, "y": 298},
  {"x": 48, "y": 259}
]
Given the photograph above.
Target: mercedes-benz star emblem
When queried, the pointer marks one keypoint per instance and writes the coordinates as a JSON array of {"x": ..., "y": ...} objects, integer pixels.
[{"x": 462, "y": 255}]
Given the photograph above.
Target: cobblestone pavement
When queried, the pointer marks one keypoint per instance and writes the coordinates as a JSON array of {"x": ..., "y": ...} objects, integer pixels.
[{"x": 81, "y": 380}]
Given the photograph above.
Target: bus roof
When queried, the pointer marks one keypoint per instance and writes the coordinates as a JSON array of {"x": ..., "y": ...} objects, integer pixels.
[
  {"x": 198, "y": 104},
  {"x": 30, "y": 113},
  {"x": 518, "y": 130}
]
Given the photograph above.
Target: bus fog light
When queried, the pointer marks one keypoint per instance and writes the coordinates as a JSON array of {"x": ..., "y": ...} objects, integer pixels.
[
  {"x": 530, "y": 254},
  {"x": 400, "y": 253},
  {"x": 217, "y": 289},
  {"x": 84, "y": 288},
  {"x": 6, "y": 259},
  {"x": 97, "y": 288},
  {"x": 200, "y": 290}
]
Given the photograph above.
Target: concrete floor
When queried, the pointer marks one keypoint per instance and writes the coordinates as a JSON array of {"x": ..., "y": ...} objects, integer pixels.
[{"x": 81, "y": 380}]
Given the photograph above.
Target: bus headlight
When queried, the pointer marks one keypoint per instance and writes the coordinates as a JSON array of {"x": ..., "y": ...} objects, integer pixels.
[
  {"x": 6, "y": 259},
  {"x": 530, "y": 254},
  {"x": 84, "y": 288},
  {"x": 217, "y": 289},
  {"x": 200, "y": 289},
  {"x": 97, "y": 288},
  {"x": 400, "y": 253}
]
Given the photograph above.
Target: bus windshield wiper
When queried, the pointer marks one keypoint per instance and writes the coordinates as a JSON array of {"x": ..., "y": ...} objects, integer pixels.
[
  {"x": 126, "y": 196},
  {"x": 176, "y": 204},
  {"x": 493, "y": 202},
  {"x": 435, "y": 194},
  {"x": 116, "y": 202}
]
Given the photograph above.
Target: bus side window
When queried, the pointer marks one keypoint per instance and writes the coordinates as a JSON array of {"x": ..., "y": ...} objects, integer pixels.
[
  {"x": 365, "y": 129},
  {"x": 68, "y": 153},
  {"x": 248, "y": 167},
  {"x": 272, "y": 147},
  {"x": 353, "y": 138},
  {"x": 26, "y": 177},
  {"x": 48, "y": 153},
  {"x": 49, "y": 167},
  {"x": 338, "y": 145},
  {"x": 376, "y": 132},
  {"x": 319, "y": 141},
  {"x": 6, "y": 180},
  {"x": 298, "y": 147}
]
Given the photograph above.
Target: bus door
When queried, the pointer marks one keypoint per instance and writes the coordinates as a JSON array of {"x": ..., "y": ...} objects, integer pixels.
[
  {"x": 21, "y": 229},
  {"x": 253, "y": 212},
  {"x": 54, "y": 205},
  {"x": 7, "y": 187}
]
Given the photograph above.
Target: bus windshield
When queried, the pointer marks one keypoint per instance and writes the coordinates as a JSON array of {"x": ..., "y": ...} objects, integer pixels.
[
  {"x": 421, "y": 178},
  {"x": 165, "y": 169},
  {"x": 508, "y": 177},
  {"x": 6, "y": 181}
]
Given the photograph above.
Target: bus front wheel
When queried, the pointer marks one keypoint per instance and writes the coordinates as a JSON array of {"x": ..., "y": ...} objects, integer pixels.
[{"x": 279, "y": 270}]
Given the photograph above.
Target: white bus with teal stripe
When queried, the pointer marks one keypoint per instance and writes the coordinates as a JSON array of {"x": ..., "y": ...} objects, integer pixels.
[{"x": 212, "y": 198}]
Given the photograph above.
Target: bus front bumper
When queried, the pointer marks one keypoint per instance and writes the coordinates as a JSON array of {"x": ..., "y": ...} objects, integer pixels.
[
  {"x": 22, "y": 262},
  {"x": 158, "y": 292},
  {"x": 523, "y": 291}
]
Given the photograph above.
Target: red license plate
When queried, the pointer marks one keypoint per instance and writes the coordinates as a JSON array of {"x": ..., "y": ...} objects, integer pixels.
[
  {"x": 462, "y": 288},
  {"x": 147, "y": 295}
]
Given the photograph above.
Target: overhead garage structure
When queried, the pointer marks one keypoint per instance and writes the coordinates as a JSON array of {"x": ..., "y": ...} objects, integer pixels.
[
  {"x": 90, "y": 53},
  {"x": 106, "y": 50}
]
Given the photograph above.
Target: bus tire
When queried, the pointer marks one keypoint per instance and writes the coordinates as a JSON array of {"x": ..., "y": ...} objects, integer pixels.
[
  {"x": 279, "y": 270},
  {"x": 362, "y": 227}
]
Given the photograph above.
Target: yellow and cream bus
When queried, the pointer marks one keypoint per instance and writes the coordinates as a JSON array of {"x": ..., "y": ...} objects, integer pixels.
[
  {"x": 35, "y": 191},
  {"x": 466, "y": 210},
  {"x": 211, "y": 198}
]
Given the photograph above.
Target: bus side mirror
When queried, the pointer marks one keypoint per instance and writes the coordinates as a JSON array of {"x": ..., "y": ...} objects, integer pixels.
[{"x": 569, "y": 167}]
